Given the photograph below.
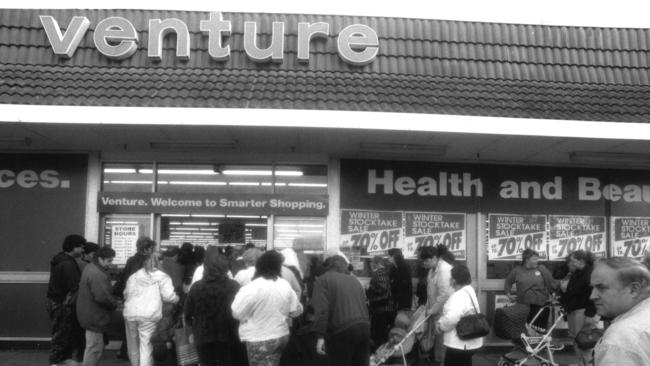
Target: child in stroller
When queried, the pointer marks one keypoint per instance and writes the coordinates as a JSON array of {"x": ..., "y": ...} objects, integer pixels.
[{"x": 401, "y": 339}]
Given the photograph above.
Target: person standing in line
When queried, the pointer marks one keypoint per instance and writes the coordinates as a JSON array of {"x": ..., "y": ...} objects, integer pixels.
[
  {"x": 461, "y": 303},
  {"x": 88, "y": 255},
  {"x": 95, "y": 304},
  {"x": 341, "y": 320},
  {"x": 401, "y": 283},
  {"x": 264, "y": 308},
  {"x": 380, "y": 302},
  {"x": 534, "y": 287},
  {"x": 621, "y": 291},
  {"x": 291, "y": 271},
  {"x": 245, "y": 276},
  {"x": 438, "y": 291},
  {"x": 145, "y": 292},
  {"x": 580, "y": 309},
  {"x": 207, "y": 311},
  {"x": 67, "y": 334},
  {"x": 145, "y": 246}
]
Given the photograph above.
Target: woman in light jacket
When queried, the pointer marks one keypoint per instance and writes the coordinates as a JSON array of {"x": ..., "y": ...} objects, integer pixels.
[
  {"x": 144, "y": 294},
  {"x": 461, "y": 303},
  {"x": 264, "y": 308}
]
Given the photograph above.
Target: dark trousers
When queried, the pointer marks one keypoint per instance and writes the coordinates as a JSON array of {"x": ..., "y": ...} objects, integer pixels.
[
  {"x": 67, "y": 335},
  {"x": 458, "y": 357},
  {"x": 215, "y": 354},
  {"x": 380, "y": 323},
  {"x": 350, "y": 347}
]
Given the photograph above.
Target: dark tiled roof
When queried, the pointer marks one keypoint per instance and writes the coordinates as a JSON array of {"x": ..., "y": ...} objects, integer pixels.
[{"x": 424, "y": 66}]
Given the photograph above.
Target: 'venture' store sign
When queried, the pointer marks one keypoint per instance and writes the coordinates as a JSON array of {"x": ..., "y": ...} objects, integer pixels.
[{"x": 117, "y": 38}]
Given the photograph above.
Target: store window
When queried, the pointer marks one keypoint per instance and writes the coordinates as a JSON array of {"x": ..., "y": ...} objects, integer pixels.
[
  {"x": 127, "y": 177},
  {"x": 305, "y": 235},
  {"x": 218, "y": 230}
]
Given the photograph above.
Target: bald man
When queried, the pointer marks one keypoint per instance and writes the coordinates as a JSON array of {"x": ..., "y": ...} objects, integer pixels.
[{"x": 621, "y": 291}]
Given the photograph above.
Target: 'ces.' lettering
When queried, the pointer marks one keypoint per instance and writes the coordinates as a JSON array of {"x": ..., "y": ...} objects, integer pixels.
[{"x": 29, "y": 179}]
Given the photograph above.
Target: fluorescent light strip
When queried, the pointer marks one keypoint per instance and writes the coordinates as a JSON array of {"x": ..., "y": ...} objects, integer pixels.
[
  {"x": 345, "y": 120},
  {"x": 197, "y": 183},
  {"x": 282, "y": 173},
  {"x": 276, "y": 184},
  {"x": 199, "y": 223},
  {"x": 119, "y": 170},
  {"x": 307, "y": 185},
  {"x": 188, "y": 171},
  {"x": 257, "y": 225},
  {"x": 242, "y": 217},
  {"x": 175, "y": 215},
  {"x": 244, "y": 183},
  {"x": 121, "y": 222},
  {"x": 129, "y": 182}
]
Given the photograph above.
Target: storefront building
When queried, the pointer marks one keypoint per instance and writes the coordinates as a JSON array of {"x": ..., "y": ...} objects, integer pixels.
[{"x": 229, "y": 128}]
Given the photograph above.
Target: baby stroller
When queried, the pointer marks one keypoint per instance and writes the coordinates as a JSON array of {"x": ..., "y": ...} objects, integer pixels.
[
  {"x": 398, "y": 352},
  {"x": 534, "y": 345}
]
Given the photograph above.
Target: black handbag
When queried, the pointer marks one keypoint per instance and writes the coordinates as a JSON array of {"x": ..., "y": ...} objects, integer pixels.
[{"x": 473, "y": 325}]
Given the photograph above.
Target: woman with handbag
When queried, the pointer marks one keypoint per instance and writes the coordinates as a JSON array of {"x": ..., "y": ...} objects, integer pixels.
[
  {"x": 461, "y": 303},
  {"x": 380, "y": 300}
]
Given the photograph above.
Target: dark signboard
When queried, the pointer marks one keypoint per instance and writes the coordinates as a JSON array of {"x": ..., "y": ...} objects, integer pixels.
[
  {"x": 232, "y": 204},
  {"x": 43, "y": 200},
  {"x": 423, "y": 186}
]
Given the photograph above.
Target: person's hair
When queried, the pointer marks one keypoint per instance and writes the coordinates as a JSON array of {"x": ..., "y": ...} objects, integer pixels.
[
  {"x": 151, "y": 263},
  {"x": 215, "y": 265},
  {"x": 628, "y": 270},
  {"x": 90, "y": 247},
  {"x": 646, "y": 260},
  {"x": 428, "y": 253},
  {"x": 144, "y": 243},
  {"x": 269, "y": 265},
  {"x": 444, "y": 254},
  {"x": 72, "y": 241},
  {"x": 460, "y": 274},
  {"x": 380, "y": 260},
  {"x": 398, "y": 257},
  {"x": 199, "y": 254},
  {"x": 249, "y": 245},
  {"x": 104, "y": 253},
  {"x": 250, "y": 256},
  {"x": 527, "y": 254},
  {"x": 336, "y": 263},
  {"x": 583, "y": 255},
  {"x": 186, "y": 253}
]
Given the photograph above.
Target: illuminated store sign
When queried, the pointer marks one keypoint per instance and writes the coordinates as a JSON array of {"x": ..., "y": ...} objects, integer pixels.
[{"x": 117, "y": 38}]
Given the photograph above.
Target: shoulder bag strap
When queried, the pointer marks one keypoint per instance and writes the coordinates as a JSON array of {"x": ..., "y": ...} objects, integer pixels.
[{"x": 472, "y": 301}]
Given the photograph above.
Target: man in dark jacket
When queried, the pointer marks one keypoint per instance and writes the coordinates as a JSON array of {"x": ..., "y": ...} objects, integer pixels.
[
  {"x": 95, "y": 303},
  {"x": 341, "y": 316},
  {"x": 67, "y": 335},
  {"x": 401, "y": 284},
  {"x": 144, "y": 246}
]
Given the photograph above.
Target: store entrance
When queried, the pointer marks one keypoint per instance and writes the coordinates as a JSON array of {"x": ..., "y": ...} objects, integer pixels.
[{"x": 215, "y": 230}]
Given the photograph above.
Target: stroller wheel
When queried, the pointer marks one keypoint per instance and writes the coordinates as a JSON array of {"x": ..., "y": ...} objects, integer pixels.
[{"x": 503, "y": 362}]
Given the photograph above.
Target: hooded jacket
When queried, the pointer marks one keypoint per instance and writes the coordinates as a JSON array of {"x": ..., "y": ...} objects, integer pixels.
[
  {"x": 145, "y": 293},
  {"x": 64, "y": 277}
]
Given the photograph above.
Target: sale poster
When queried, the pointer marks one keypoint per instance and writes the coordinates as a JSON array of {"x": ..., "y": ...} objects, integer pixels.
[
  {"x": 123, "y": 238},
  {"x": 426, "y": 229},
  {"x": 630, "y": 236},
  {"x": 570, "y": 233},
  {"x": 510, "y": 235},
  {"x": 371, "y": 232}
]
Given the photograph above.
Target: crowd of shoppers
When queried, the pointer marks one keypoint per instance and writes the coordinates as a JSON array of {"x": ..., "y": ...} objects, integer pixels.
[{"x": 248, "y": 320}]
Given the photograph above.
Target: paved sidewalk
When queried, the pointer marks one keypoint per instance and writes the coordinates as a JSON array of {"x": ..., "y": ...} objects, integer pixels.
[{"x": 29, "y": 357}]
